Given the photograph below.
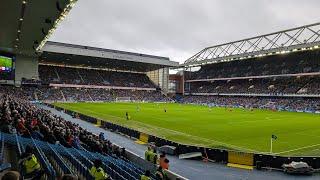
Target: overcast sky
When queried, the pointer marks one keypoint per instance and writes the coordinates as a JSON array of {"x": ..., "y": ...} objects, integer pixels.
[{"x": 178, "y": 28}]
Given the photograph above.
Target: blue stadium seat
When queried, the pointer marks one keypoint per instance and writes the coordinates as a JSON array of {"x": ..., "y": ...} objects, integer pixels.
[{"x": 71, "y": 160}]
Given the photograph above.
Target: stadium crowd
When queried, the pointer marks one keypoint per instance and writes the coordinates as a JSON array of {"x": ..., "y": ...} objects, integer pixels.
[
  {"x": 283, "y": 85},
  {"x": 293, "y": 63},
  {"x": 44, "y": 93},
  {"x": 80, "y": 76},
  {"x": 89, "y": 94},
  {"x": 19, "y": 116},
  {"x": 279, "y": 103}
]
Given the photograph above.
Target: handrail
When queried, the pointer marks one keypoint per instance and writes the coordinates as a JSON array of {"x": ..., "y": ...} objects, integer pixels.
[
  {"x": 83, "y": 169},
  {"x": 44, "y": 161},
  {"x": 60, "y": 161},
  {"x": 18, "y": 145},
  {"x": 121, "y": 164},
  {"x": 2, "y": 148}
]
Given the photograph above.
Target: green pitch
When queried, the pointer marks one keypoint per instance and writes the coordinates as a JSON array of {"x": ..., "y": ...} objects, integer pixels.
[{"x": 240, "y": 129}]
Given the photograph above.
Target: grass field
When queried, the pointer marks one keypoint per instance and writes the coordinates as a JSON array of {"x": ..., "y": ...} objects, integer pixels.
[{"x": 240, "y": 129}]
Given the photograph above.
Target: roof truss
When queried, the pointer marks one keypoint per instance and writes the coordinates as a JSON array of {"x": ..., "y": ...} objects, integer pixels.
[{"x": 300, "y": 38}]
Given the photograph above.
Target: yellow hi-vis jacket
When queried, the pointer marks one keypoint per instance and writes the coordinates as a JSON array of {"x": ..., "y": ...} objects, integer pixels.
[
  {"x": 144, "y": 177},
  {"x": 153, "y": 157},
  {"x": 98, "y": 174},
  {"x": 147, "y": 154},
  {"x": 31, "y": 164}
]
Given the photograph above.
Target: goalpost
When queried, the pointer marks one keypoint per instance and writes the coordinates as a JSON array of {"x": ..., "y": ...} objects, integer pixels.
[{"x": 123, "y": 99}]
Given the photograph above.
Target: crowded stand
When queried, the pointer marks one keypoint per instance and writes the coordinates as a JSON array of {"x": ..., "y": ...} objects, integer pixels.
[
  {"x": 30, "y": 122},
  {"x": 78, "y": 94},
  {"x": 112, "y": 85},
  {"x": 57, "y": 144},
  {"x": 275, "y": 103},
  {"x": 279, "y": 85},
  {"x": 293, "y": 63},
  {"x": 53, "y": 94},
  {"x": 284, "y": 82},
  {"x": 81, "y": 76},
  {"x": 313, "y": 87}
]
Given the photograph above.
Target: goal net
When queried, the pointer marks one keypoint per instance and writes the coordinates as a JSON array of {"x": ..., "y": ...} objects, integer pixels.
[{"x": 123, "y": 99}]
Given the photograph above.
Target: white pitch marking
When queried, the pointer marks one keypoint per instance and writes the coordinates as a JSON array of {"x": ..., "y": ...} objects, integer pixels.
[{"x": 305, "y": 147}]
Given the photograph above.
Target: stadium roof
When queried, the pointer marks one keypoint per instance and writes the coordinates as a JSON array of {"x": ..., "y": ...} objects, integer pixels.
[
  {"x": 297, "y": 39},
  {"x": 77, "y": 55},
  {"x": 26, "y": 25}
]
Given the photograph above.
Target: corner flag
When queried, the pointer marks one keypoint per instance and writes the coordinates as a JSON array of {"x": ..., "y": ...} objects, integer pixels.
[{"x": 273, "y": 137}]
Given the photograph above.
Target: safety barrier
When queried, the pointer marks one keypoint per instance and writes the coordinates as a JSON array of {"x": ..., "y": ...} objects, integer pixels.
[
  {"x": 66, "y": 169},
  {"x": 79, "y": 166},
  {"x": 44, "y": 161},
  {"x": 1, "y": 148},
  {"x": 3, "y": 165}
]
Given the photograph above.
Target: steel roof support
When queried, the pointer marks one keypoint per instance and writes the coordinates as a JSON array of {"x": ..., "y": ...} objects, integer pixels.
[{"x": 299, "y": 38}]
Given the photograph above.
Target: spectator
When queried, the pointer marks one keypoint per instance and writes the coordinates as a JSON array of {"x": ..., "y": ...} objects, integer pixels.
[
  {"x": 147, "y": 154},
  {"x": 97, "y": 171},
  {"x": 146, "y": 175},
  {"x": 76, "y": 142},
  {"x": 36, "y": 134},
  {"x": 162, "y": 162},
  {"x": 30, "y": 164},
  {"x": 101, "y": 136},
  {"x": 161, "y": 174},
  {"x": 11, "y": 175},
  {"x": 165, "y": 164}
]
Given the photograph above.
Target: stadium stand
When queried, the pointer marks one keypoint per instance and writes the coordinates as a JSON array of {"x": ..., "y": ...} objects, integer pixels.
[
  {"x": 62, "y": 147},
  {"x": 283, "y": 81},
  {"x": 23, "y": 124},
  {"x": 85, "y": 76},
  {"x": 292, "y": 63},
  {"x": 277, "y": 103},
  {"x": 99, "y": 85},
  {"x": 279, "y": 85}
]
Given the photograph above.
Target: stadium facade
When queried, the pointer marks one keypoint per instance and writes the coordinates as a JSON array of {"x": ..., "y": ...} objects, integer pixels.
[{"x": 68, "y": 55}]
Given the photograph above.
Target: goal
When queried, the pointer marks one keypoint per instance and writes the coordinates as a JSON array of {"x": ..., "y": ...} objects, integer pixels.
[{"x": 123, "y": 99}]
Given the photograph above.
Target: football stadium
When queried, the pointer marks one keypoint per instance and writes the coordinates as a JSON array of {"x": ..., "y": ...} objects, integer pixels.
[{"x": 245, "y": 109}]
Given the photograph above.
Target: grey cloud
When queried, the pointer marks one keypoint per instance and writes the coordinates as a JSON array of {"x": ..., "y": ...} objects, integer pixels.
[{"x": 178, "y": 28}]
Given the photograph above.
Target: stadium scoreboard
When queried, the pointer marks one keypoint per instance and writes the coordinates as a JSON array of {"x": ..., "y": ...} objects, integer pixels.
[{"x": 6, "y": 64}]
